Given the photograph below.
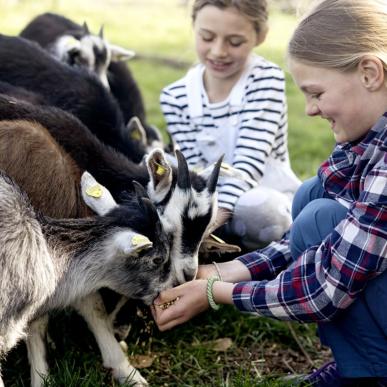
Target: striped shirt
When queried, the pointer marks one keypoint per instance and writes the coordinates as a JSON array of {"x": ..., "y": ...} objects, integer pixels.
[
  {"x": 327, "y": 278},
  {"x": 250, "y": 126}
]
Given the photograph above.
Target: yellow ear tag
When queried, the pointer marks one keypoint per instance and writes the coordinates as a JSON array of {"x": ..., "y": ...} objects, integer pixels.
[
  {"x": 136, "y": 135},
  {"x": 95, "y": 191},
  {"x": 217, "y": 239},
  {"x": 139, "y": 240},
  {"x": 160, "y": 170}
]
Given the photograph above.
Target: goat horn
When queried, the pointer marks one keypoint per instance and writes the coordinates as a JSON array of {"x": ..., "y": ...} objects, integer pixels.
[
  {"x": 183, "y": 178},
  {"x": 150, "y": 209},
  {"x": 213, "y": 179},
  {"x": 171, "y": 144},
  {"x": 100, "y": 34},
  {"x": 139, "y": 189},
  {"x": 86, "y": 28}
]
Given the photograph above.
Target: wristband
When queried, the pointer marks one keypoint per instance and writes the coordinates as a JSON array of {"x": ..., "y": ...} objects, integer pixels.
[
  {"x": 217, "y": 270},
  {"x": 210, "y": 296}
]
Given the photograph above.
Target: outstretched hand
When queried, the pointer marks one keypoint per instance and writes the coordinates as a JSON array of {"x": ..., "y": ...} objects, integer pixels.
[{"x": 190, "y": 300}]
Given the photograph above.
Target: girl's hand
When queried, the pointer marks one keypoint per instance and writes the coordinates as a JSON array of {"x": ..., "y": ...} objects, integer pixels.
[{"x": 191, "y": 299}]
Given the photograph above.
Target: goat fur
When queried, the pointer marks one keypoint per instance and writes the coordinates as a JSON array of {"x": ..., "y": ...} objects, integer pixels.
[{"x": 49, "y": 263}]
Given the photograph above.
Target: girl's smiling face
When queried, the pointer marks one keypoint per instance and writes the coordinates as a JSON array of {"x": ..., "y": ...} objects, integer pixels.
[
  {"x": 342, "y": 98},
  {"x": 224, "y": 39}
]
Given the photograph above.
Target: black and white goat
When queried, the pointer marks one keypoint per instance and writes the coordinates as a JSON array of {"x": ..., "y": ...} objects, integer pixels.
[
  {"x": 75, "y": 45},
  {"x": 49, "y": 264}
]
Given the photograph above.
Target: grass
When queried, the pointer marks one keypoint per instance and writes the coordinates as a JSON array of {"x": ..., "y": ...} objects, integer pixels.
[{"x": 261, "y": 350}]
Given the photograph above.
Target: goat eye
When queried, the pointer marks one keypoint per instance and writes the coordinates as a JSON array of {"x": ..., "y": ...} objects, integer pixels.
[{"x": 158, "y": 260}]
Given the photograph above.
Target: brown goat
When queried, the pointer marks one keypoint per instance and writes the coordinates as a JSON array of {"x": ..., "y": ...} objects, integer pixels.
[{"x": 29, "y": 154}]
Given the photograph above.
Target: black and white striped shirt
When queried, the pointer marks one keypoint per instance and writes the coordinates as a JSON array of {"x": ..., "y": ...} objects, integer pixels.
[{"x": 250, "y": 126}]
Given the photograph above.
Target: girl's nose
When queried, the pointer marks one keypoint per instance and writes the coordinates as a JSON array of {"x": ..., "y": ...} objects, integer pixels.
[
  {"x": 219, "y": 49},
  {"x": 312, "y": 109}
]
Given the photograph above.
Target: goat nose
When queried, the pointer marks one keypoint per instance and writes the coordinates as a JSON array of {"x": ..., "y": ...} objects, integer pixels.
[{"x": 189, "y": 275}]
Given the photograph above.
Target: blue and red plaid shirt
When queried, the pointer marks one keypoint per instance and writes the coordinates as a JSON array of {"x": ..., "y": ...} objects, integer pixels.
[{"x": 327, "y": 278}]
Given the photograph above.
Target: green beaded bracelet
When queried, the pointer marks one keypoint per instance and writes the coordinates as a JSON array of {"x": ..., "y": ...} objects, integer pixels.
[{"x": 210, "y": 296}]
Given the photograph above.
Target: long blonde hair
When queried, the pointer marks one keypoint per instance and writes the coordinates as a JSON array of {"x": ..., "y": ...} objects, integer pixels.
[
  {"x": 255, "y": 10},
  {"x": 338, "y": 33}
]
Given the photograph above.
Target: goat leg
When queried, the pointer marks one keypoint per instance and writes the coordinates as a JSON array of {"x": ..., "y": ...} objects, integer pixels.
[
  {"x": 92, "y": 309},
  {"x": 121, "y": 331},
  {"x": 1, "y": 379},
  {"x": 36, "y": 348}
]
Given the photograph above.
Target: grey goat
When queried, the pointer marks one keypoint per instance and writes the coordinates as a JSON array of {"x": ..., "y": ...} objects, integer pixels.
[{"x": 48, "y": 264}]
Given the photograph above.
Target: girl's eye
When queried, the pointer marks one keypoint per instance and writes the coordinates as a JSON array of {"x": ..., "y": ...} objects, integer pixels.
[
  {"x": 316, "y": 95},
  {"x": 236, "y": 43},
  {"x": 207, "y": 38}
]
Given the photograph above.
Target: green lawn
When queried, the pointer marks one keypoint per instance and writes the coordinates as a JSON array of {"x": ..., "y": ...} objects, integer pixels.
[{"x": 261, "y": 350}]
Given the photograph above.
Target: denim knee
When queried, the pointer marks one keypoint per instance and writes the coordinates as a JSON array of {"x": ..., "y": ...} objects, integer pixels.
[
  {"x": 309, "y": 190},
  {"x": 358, "y": 335},
  {"x": 315, "y": 221}
]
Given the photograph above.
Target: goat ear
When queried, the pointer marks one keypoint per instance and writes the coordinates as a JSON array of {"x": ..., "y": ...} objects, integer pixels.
[
  {"x": 160, "y": 171},
  {"x": 222, "y": 216},
  {"x": 95, "y": 195},
  {"x": 119, "y": 54},
  {"x": 136, "y": 130},
  {"x": 130, "y": 242}
]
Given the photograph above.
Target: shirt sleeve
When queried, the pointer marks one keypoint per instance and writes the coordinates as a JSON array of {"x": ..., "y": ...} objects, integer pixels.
[
  {"x": 263, "y": 129},
  {"x": 326, "y": 278}
]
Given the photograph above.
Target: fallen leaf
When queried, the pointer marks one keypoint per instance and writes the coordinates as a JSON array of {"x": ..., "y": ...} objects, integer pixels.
[
  {"x": 142, "y": 361},
  {"x": 221, "y": 345},
  {"x": 218, "y": 345}
]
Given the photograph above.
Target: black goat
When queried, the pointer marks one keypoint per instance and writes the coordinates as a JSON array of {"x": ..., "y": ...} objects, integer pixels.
[
  {"x": 25, "y": 64},
  {"x": 75, "y": 45}
]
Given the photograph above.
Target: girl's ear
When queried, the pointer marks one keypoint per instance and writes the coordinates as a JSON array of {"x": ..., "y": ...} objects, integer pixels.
[
  {"x": 261, "y": 36},
  {"x": 372, "y": 72}
]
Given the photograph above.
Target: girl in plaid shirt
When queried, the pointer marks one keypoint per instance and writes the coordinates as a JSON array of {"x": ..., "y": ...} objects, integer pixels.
[{"x": 330, "y": 267}]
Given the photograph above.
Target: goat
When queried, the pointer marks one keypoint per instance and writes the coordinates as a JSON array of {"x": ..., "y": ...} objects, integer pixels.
[
  {"x": 186, "y": 204},
  {"x": 51, "y": 263},
  {"x": 75, "y": 45},
  {"x": 24, "y": 64}
]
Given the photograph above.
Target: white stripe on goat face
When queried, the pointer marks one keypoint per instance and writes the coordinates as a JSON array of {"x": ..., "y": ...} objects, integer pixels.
[
  {"x": 96, "y": 52},
  {"x": 186, "y": 219}
]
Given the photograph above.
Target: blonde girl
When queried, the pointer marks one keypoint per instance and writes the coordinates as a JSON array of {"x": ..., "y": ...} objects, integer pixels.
[{"x": 331, "y": 268}]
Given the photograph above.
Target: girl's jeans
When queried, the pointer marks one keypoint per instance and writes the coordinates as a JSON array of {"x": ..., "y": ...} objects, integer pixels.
[{"x": 358, "y": 335}]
